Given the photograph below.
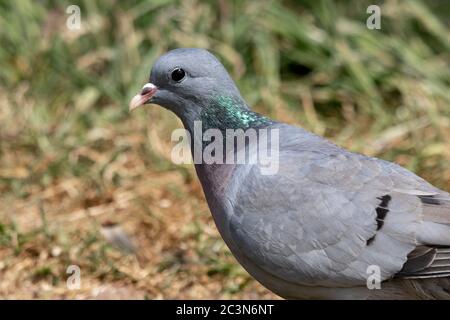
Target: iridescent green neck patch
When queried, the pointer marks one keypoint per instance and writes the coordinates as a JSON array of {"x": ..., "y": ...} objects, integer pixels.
[{"x": 228, "y": 113}]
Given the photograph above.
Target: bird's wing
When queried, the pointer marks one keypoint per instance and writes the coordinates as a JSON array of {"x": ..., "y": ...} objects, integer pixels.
[
  {"x": 432, "y": 258},
  {"x": 426, "y": 262},
  {"x": 328, "y": 217}
]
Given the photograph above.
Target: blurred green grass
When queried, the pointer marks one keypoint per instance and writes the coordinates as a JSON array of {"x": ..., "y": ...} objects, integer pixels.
[{"x": 64, "y": 96}]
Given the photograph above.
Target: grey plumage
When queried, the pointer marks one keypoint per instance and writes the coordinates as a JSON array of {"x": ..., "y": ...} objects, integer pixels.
[{"x": 313, "y": 229}]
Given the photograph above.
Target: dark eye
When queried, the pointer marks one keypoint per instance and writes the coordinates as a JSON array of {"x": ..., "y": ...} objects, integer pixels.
[{"x": 178, "y": 74}]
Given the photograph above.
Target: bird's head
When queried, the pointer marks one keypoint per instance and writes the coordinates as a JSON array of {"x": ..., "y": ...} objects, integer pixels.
[{"x": 185, "y": 81}]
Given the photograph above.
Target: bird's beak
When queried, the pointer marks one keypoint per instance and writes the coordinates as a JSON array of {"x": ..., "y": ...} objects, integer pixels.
[{"x": 147, "y": 93}]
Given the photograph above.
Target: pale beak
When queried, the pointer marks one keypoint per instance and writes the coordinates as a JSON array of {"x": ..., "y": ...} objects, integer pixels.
[{"x": 148, "y": 91}]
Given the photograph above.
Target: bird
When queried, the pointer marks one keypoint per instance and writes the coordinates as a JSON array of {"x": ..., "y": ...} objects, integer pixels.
[{"x": 329, "y": 223}]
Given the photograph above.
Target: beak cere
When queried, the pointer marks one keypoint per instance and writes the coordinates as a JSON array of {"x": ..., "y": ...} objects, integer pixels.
[{"x": 148, "y": 91}]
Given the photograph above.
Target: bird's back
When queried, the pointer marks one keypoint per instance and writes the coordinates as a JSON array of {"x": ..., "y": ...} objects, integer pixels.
[{"x": 328, "y": 217}]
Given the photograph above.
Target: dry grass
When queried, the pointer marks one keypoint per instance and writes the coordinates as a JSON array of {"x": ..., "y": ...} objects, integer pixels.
[{"x": 178, "y": 251}]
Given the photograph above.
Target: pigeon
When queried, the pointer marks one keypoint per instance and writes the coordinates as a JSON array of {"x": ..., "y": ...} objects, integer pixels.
[{"x": 328, "y": 223}]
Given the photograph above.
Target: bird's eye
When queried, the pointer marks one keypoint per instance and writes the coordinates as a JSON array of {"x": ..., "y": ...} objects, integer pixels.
[{"x": 178, "y": 74}]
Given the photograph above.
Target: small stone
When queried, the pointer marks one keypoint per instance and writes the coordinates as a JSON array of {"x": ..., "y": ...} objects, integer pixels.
[
  {"x": 56, "y": 251},
  {"x": 165, "y": 203}
]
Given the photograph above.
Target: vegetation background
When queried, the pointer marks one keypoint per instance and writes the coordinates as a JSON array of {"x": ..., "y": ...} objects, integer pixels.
[{"x": 83, "y": 182}]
